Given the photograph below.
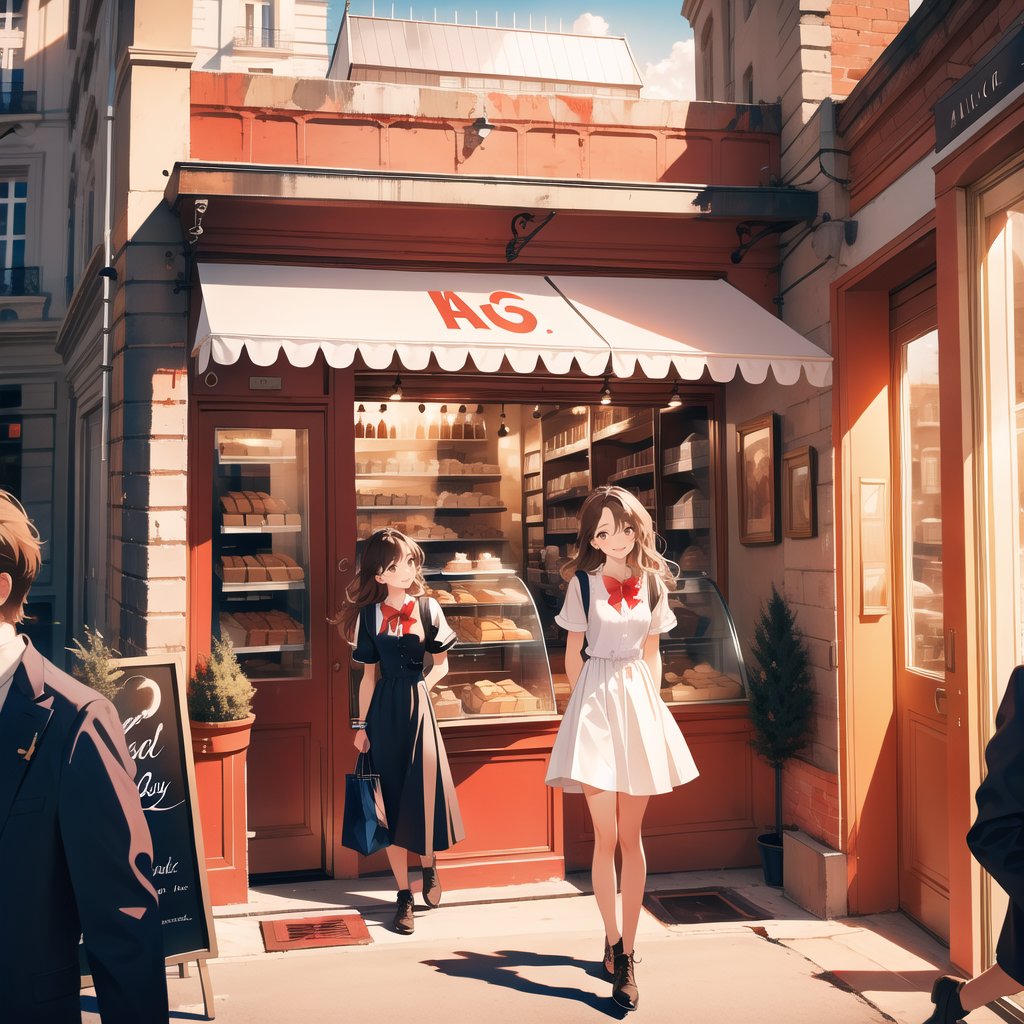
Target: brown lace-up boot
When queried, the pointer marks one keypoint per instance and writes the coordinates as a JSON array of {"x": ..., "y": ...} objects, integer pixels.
[
  {"x": 404, "y": 922},
  {"x": 610, "y": 953},
  {"x": 431, "y": 886},
  {"x": 624, "y": 990}
]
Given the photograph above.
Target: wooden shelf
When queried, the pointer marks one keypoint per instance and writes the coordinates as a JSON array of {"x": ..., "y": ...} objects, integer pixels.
[
  {"x": 475, "y": 477},
  {"x": 678, "y": 468},
  {"x": 270, "y": 649},
  {"x": 255, "y": 588},
  {"x": 431, "y": 508},
  {"x": 413, "y": 444},
  {"x": 253, "y": 460},
  {"x": 534, "y": 520},
  {"x": 562, "y": 453},
  {"x": 466, "y": 573},
  {"x": 572, "y": 494},
  {"x": 460, "y": 540},
  {"x": 261, "y": 529},
  {"x": 628, "y": 431},
  {"x": 628, "y": 474}
]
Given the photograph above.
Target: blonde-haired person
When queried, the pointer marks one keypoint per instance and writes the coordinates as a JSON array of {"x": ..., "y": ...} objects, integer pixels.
[
  {"x": 393, "y": 627},
  {"x": 618, "y": 743},
  {"x": 75, "y": 850}
]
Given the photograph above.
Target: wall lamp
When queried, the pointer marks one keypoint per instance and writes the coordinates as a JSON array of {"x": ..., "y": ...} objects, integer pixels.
[
  {"x": 110, "y": 272},
  {"x": 476, "y": 133}
]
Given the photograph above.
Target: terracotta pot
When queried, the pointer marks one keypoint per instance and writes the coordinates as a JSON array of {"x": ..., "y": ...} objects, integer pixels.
[{"x": 219, "y": 752}]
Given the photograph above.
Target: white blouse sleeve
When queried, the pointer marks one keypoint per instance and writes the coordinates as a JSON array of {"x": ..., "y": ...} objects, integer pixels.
[
  {"x": 572, "y": 617},
  {"x": 445, "y": 637},
  {"x": 663, "y": 618}
]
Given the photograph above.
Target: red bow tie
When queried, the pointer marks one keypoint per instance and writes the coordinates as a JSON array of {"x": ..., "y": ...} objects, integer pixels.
[
  {"x": 625, "y": 590},
  {"x": 395, "y": 620}
]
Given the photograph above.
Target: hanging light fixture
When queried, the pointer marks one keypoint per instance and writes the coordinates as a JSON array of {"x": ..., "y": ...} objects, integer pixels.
[
  {"x": 503, "y": 429},
  {"x": 606, "y": 393},
  {"x": 536, "y": 412},
  {"x": 675, "y": 399},
  {"x": 421, "y": 407},
  {"x": 396, "y": 390}
]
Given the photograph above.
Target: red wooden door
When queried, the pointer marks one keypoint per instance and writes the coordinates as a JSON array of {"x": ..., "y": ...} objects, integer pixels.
[{"x": 260, "y": 549}]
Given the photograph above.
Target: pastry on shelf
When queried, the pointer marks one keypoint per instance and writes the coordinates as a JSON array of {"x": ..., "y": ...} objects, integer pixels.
[
  {"x": 485, "y": 697},
  {"x": 694, "y": 559},
  {"x": 459, "y": 562},
  {"x": 232, "y": 519},
  {"x": 488, "y": 562},
  {"x": 232, "y": 569},
  {"x": 446, "y": 704}
]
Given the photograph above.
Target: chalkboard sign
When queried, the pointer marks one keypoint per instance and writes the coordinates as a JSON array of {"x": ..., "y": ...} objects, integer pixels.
[{"x": 152, "y": 709}]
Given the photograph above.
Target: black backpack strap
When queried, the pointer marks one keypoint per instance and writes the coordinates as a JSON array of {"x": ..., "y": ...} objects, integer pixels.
[
  {"x": 429, "y": 626},
  {"x": 584, "y": 581}
]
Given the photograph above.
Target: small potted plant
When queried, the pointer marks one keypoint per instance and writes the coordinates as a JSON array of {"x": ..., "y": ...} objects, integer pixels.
[
  {"x": 781, "y": 705},
  {"x": 95, "y": 664},
  {"x": 220, "y": 713}
]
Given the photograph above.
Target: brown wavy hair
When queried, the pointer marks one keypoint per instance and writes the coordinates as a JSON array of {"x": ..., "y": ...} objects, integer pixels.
[
  {"x": 20, "y": 554},
  {"x": 626, "y": 510},
  {"x": 380, "y": 550}
]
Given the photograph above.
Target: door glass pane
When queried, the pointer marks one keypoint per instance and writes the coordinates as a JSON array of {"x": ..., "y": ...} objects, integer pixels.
[
  {"x": 922, "y": 505},
  {"x": 1014, "y": 240},
  {"x": 261, "y": 549}
]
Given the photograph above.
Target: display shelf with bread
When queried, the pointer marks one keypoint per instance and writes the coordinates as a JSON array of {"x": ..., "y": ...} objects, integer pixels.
[
  {"x": 701, "y": 657},
  {"x": 261, "y": 549}
]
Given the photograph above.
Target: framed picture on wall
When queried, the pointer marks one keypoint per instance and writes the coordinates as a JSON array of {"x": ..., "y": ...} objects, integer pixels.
[
  {"x": 757, "y": 484},
  {"x": 799, "y": 493}
]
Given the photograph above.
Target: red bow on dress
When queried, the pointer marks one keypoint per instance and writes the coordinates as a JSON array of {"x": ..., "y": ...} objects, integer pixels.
[
  {"x": 625, "y": 590},
  {"x": 397, "y": 620}
]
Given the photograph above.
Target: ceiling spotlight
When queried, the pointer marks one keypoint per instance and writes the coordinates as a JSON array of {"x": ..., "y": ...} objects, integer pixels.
[
  {"x": 361, "y": 408},
  {"x": 503, "y": 429},
  {"x": 421, "y": 407},
  {"x": 606, "y": 393},
  {"x": 396, "y": 390},
  {"x": 479, "y": 410},
  {"x": 383, "y": 407},
  {"x": 675, "y": 399},
  {"x": 482, "y": 127},
  {"x": 536, "y": 412}
]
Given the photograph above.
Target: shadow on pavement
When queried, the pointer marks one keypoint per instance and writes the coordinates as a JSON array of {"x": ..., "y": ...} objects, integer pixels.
[
  {"x": 90, "y": 1004},
  {"x": 500, "y": 968}
]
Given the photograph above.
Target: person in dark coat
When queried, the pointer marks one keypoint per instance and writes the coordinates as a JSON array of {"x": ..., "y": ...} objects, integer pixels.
[
  {"x": 75, "y": 850},
  {"x": 997, "y": 841}
]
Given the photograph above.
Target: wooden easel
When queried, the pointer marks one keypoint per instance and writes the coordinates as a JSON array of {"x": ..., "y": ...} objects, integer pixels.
[{"x": 209, "y": 1008}]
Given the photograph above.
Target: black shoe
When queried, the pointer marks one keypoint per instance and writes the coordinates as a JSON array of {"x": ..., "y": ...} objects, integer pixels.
[
  {"x": 946, "y": 997},
  {"x": 432, "y": 890},
  {"x": 610, "y": 953},
  {"x": 404, "y": 923},
  {"x": 624, "y": 990}
]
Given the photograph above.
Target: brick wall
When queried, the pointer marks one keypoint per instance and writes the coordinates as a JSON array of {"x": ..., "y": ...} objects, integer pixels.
[
  {"x": 810, "y": 799},
  {"x": 860, "y": 32}
]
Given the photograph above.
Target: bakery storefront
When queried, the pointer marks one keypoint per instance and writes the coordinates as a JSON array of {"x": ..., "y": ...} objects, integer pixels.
[{"x": 473, "y": 412}]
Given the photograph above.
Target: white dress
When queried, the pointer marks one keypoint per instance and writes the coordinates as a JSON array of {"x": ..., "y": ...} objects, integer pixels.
[{"x": 617, "y": 733}]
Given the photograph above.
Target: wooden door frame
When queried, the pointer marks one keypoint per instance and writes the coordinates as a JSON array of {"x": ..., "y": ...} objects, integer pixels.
[{"x": 862, "y": 416}]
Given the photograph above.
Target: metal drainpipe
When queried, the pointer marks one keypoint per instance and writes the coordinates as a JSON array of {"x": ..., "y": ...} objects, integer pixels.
[{"x": 108, "y": 214}]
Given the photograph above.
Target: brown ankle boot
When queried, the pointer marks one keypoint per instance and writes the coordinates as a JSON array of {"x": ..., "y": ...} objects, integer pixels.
[
  {"x": 946, "y": 997},
  {"x": 624, "y": 990},
  {"x": 610, "y": 953},
  {"x": 404, "y": 923},
  {"x": 431, "y": 886}
]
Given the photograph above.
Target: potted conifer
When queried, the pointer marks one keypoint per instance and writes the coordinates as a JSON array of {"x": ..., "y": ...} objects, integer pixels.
[
  {"x": 220, "y": 713},
  {"x": 781, "y": 705}
]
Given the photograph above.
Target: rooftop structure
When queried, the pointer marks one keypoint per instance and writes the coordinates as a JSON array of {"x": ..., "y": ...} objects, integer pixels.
[{"x": 372, "y": 49}]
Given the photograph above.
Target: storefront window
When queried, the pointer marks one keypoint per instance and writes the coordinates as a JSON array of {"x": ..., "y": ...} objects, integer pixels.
[
  {"x": 922, "y": 505},
  {"x": 261, "y": 549},
  {"x": 492, "y": 493}
]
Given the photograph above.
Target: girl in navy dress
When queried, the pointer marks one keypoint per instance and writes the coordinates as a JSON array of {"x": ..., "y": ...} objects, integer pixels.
[{"x": 393, "y": 627}]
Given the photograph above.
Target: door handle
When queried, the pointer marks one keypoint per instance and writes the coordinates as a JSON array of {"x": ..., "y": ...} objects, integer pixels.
[{"x": 940, "y": 700}]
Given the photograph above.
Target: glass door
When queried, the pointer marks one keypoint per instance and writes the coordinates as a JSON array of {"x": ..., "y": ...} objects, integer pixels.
[{"x": 1000, "y": 363}]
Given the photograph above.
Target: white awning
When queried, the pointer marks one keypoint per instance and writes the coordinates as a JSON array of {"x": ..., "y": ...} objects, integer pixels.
[{"x": 662, "y": 326}]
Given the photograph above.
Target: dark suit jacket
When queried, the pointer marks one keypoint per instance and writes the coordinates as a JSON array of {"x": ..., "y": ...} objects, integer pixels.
[
  {"x": 75, "y": 858},
  {"x": 997, "y": 836}
]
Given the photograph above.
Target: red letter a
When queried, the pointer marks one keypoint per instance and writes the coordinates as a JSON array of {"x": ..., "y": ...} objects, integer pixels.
[{"x": 451, "y": 307}]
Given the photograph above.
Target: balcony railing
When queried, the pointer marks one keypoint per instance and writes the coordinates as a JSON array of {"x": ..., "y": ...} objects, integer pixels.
[
  {"x": 17, "y": 101},
  {"x": 261, "y": 39},
  {"x": 19, "y": 281}
]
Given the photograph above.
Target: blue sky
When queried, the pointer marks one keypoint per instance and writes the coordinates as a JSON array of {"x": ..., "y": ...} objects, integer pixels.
[{"x": 661, "y": 40}]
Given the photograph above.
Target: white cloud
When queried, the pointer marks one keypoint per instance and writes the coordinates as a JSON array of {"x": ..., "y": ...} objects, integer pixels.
[
  {"x": 674, "y": 77},
  {"x": 590, "y": 25}
]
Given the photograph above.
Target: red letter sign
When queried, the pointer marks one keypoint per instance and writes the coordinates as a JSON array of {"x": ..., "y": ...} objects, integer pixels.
[
  {"x": 526, "y": 322},
  {"x": 451, "y": 308}
]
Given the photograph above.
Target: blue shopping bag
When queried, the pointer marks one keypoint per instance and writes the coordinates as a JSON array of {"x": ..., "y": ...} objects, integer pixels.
[{"x": 365, "y": 825}]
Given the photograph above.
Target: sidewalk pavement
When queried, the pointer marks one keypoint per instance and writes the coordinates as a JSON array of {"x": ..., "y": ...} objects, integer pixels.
[{"x": 530, "y": 955}]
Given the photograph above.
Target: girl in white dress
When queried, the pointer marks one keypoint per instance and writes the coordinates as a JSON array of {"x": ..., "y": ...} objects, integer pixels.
[{"x": 618, "y": 743}]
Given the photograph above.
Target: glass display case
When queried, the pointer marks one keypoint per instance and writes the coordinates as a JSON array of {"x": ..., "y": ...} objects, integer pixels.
[
  {"x": 701, "y": 657},
  {"x": 261, "y": 549},
  {"x": 500, "y": 664}
]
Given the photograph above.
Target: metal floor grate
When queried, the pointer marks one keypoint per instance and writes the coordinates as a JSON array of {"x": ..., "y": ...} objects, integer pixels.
[
  {"x": 314, "y": 932},
  {"x": 701, "y": 906}
]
